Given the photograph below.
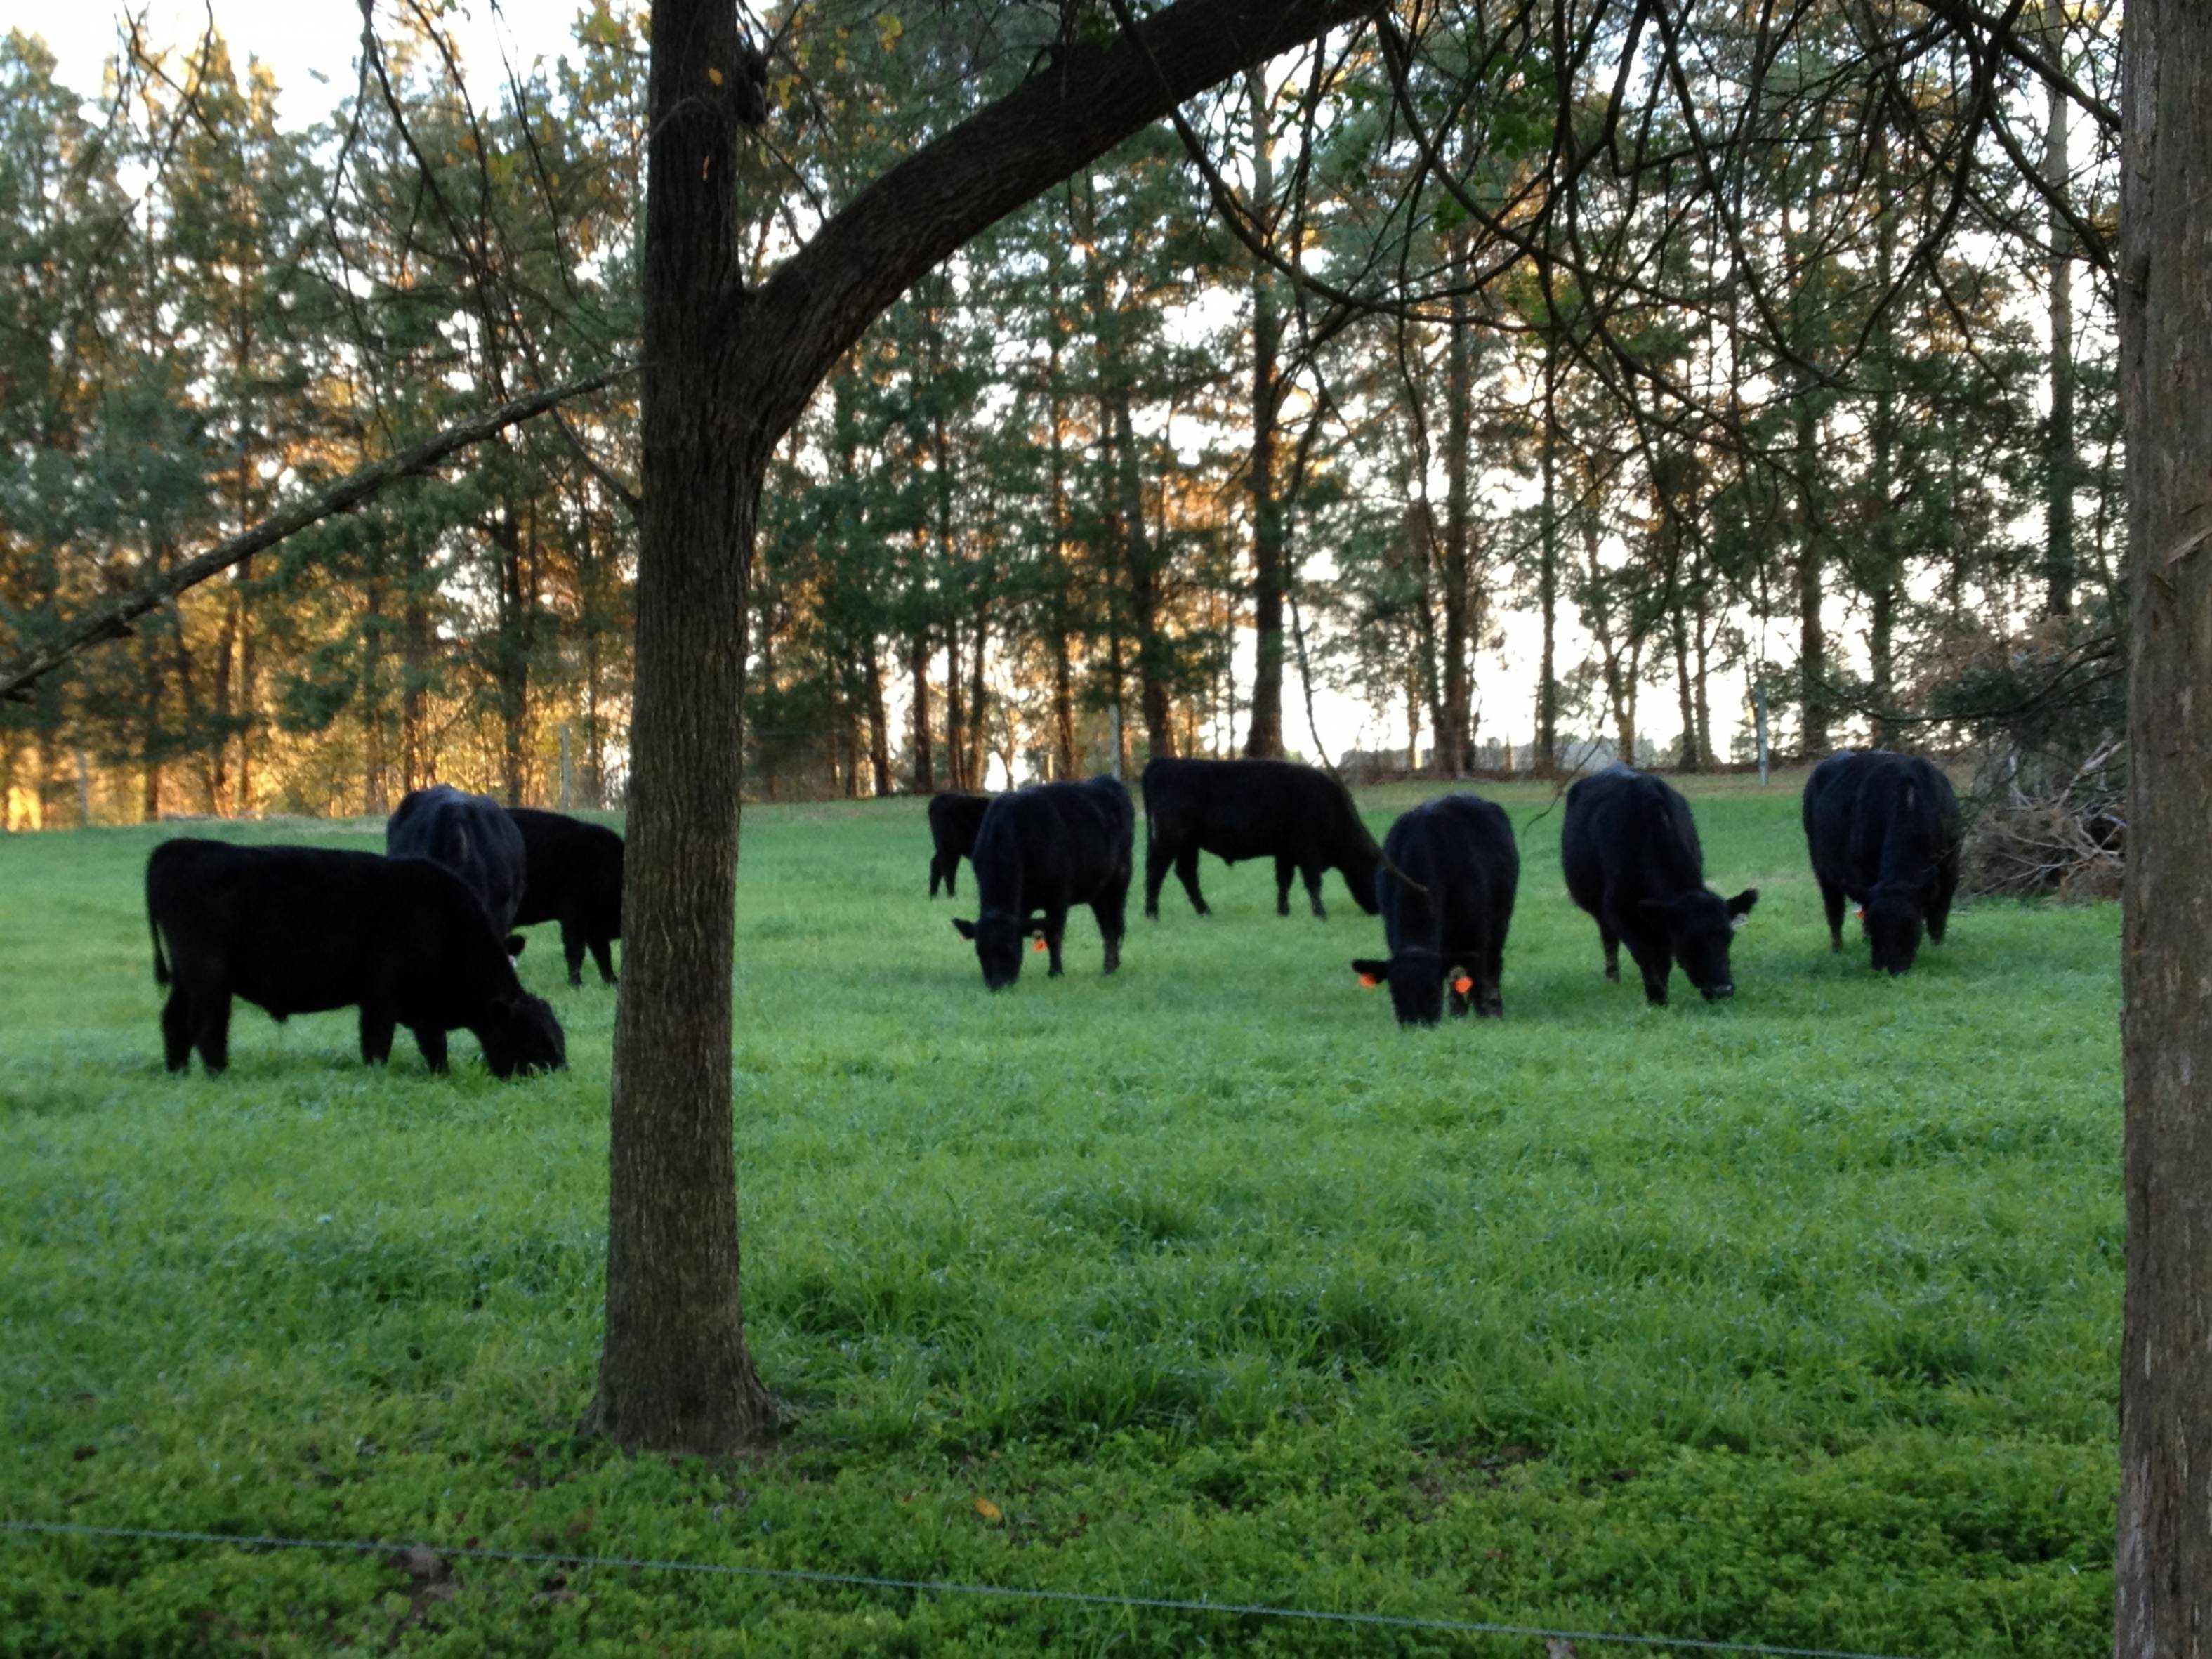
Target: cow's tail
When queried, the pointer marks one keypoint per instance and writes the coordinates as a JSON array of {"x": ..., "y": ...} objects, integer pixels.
[{"x": 160, "y": 964}]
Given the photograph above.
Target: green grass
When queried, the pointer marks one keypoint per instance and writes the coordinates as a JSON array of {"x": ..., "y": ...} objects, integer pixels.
[{"x": 1791, "y": 1320}]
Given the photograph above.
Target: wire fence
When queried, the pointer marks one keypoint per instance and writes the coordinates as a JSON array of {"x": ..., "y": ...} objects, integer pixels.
[{"x": 933, "y": 1587}]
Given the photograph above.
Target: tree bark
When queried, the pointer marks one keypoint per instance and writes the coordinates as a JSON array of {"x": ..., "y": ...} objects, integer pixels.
[
  {"x": 1547, "y": 574},
  {"x": 1812, "y": 634},
  {"x": 2163, "y": 1601},
  {"x": 674, "y": 1372},
  {"x": 1453, "y": 732}
]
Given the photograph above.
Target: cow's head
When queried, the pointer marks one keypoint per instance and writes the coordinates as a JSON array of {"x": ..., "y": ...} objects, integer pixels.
[
  {"x": 1894, "y": 921},
  {"x": 1701, "y": 925},
  {"x": 520, "y": 1034},
  {"x": 1416, "y": 978},
  {"x": 998, "y": 939}
]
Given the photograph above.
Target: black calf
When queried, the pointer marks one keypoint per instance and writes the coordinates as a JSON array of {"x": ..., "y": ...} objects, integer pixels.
[
  {"x": 1047, "y": 849},
  {"x": 1302, "y": 819},
  {"x": 472, "y": 836},
  {"x": 1883, "y": 829},
  {"x": 575, "y": 877},
  {"x": 1461, "y": 850},
  {"x": 954, "y": 818}
]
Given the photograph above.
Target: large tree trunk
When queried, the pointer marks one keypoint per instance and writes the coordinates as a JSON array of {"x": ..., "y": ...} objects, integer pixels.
[
  {"x": 2164, "y": 1578},
  {"x": 978, "y": 738},
  {"x": 674, "y": 1373},
  {"x": 727, "y": 372},
  {"x": 1270, "y": 549}
]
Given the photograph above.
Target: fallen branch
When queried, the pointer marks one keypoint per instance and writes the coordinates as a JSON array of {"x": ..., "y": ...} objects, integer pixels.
[{"x": 112, "y": 620}]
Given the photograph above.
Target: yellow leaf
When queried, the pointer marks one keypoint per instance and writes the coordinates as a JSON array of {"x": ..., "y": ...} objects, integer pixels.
[
  {"x": 714, "y": 75},
  {"x": 988, "y": 1510},
  {"x": 888, "y": 30}
]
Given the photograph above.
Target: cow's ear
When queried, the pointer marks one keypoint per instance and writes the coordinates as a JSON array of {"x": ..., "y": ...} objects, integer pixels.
[
  {"x": 515, "y": 944},
  {"x": 1738, "y": 907},
  {"x": 965, "y": 929}
]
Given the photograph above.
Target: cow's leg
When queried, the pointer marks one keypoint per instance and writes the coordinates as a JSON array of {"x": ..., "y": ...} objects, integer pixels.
[
  {"x": 1489, "y": 1000},
  {"x": 1185, "y": 865},
  {"x": 211, "y": 1028},
  {"x": 1110, "y": 909},
  {"x": 1157, "y": 857},
  {"x": 936, "y": 873},
  {"x": 376, "y": 1028},
  {"x": 1056, "y": 929},
  {"x": 1284, "y": 867},
  {"x": 1611, "y": 941},
  {"x": 604, "y": 956},
  {"x": 177, "y": 1028},
  {"x": 1831, "y": 901},
  {"x": 1656, "y": 962},
  {"x": 431, "y": 1040},
  {"x": 952, "y": 876},
  {"x": 1939, "y": 910},
  {"x": 1312, "y": 874},
  {"x": 572, "y": 947}
]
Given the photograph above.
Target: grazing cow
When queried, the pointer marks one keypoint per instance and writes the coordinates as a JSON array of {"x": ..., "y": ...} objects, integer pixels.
[
  {"x": 575, "y": 877},
  {"x": 1461, "y": 850},
  {"x": 1884, "y": 831},
  {"x": 301, "y": 930},
  {"x": 472, "y": 836},
  {"x": 1047, "y": 849},
  {"x": 1632, "y": 860},
  {"x": 954, "y": 818},
  {"x": 1302, "y": 819}
]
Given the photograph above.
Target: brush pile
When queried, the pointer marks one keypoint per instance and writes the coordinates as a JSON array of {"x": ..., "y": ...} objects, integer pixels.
[{"x": 2066, "y": 837}]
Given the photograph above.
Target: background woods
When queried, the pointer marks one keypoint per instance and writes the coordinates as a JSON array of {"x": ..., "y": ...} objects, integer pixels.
[{"x": 1509, "y": 385}]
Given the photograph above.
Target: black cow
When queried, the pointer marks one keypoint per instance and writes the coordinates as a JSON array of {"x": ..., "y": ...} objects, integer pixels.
[
  {"x": 954, "y": 818},
  {"x": 1460, "y": 851},
  {"x": 472, "y": 836},
  {"x": 1302, "y": 819},
  {"x": 1631, "y": 859},
  {"x": 1883, "y": 829},
  {"x": 301, "y": 930},
  {"x": 1047, "y": 849},
  {"x": 575, "y": 877}
]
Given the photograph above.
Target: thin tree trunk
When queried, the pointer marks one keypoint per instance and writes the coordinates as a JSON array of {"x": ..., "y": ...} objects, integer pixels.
[
  {"x": 674, "y": 1373},
  {"x": 1454, "y": 735},
  {"x": 2163, "y": 1604},
  {"x": 1812, "y": 636},
  {"x": 978, "y": 745},
  {"x": 1270, "y": 574},
  {"x": 956, "y": 720},
  {"x": 2063, "y": 467},
  {"x": 1547, "y": 574},
  {"x": 879, "y": 736},
  {"x": 1143, "y": 586},
  {"x": 925, "y": 772}
]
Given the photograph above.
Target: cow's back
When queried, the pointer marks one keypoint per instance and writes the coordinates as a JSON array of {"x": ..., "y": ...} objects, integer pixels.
[
  {"x": 1052, "y": 842},
  {"x": 1249, "y": 809},
  {"x": 472, "y": 836},
  {"x": 565, "y": 861},
  {"x": 1872, "y": 816},
  {"x": 1628, "y": 836}
]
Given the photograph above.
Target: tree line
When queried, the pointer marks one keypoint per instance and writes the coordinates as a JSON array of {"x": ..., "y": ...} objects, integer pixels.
[{"x": 1758, "y": 364}]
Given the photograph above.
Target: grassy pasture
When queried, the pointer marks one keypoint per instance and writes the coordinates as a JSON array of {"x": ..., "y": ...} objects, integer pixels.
[{"x": 1791, "y": 1320}]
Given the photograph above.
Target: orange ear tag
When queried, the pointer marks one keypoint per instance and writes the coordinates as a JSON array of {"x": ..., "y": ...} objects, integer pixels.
[
  {"x": 1462, "y": 985},
  {"x": 1368, "y": 981},
  {"x": 1037, "y": 944}
]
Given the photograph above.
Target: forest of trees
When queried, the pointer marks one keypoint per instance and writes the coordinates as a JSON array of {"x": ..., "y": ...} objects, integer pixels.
[{"x": 1807, "y": 385}]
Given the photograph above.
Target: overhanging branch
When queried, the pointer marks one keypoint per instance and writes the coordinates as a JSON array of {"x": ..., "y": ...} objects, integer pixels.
[{"x": 112, "y": 620}]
